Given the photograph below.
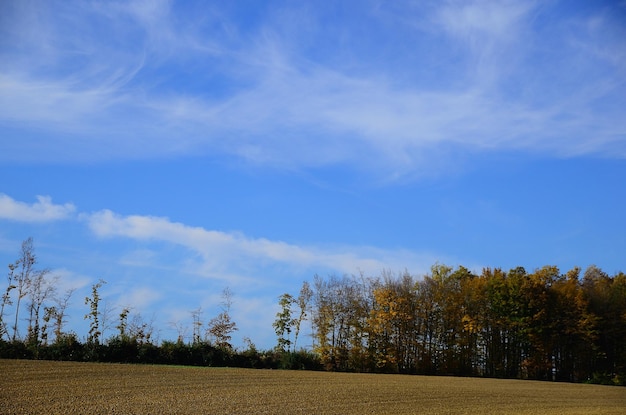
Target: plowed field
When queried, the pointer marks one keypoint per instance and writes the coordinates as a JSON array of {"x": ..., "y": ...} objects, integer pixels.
[{"x": 38, "y": 387}]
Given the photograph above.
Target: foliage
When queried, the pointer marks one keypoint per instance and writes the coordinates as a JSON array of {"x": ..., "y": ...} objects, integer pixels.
[
  {"x": 94, "y": 314},
  {"x": 542, "y": 325},
  {"x": 284, "y": 322},
  {"x": 221, "y": 327}
]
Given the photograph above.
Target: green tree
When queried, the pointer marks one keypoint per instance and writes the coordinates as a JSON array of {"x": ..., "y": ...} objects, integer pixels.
[
  {"x": 123, "y": 324},
  {"x": 95, "y": 330},
  {"x": 284, "y": 322}
]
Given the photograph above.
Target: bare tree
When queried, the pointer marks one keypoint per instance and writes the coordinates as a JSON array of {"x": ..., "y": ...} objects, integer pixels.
[
  {"x": 303, "y": 300},
  {"x": 41, "y": 288},
  {"x": 6, "y": 300},
  {"x": 107, "y": 320},
  {"x": 181, "y": 329},
  {"x": 140, "y": 330},
  {"x": 59, "y": 313},
  {"x": 23, "y": 270},
  {"x": 196, "y": 315}
]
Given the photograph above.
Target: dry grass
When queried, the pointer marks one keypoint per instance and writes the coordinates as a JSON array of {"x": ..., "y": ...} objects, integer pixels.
[{"x": 28, "y": 387}]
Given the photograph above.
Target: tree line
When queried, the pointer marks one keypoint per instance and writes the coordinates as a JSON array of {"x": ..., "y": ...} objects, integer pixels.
[
  {"x": 31, "y": 296},
  {"x": 543, "y": 325}
]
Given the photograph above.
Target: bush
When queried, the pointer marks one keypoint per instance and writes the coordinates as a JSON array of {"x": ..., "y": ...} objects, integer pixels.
[
  {"x": 66, "y": 347},
  {"x": 15, "y": 350},
  {"x": 614, "y": 379}
]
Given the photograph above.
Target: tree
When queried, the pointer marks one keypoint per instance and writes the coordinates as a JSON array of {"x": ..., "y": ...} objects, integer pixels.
[
  {"x": 38, "y": 286},
  {"x": 123, "y": 324},
  {"x": 540, "y": 301},
  {"x": 303, "y": 301},
  {"x": 429, "y": 315},
  {"x": 58, "y": 313},
  {"x": 221, "y": 327},
  {"x": 607, "y": 303},
  {"x": 339, "y": 318},
  {"x": 282, "y": 325},
  {"x": 139, "y": 330},
  {"x": 6, "y": 300},
  {"x": 41, "y": 288},
  {"x": 181, "y": 329},
  {"x": 23, "y": 270},
  {"x": 468, "y": 306},
  {"x": 197, "y": 324},
  {"x": 95, "y": 331},
  {"x": 575, "y": 329},
  {"x": 498, "y": 321},
  {"x": 384, "y": 325}
]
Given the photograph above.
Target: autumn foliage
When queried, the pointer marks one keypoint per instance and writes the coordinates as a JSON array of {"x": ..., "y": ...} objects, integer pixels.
[{"x": 541, "y": 325}]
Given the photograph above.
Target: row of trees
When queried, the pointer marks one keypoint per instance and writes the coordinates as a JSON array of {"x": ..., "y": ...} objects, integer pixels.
[
  {"x": 45, "y": 309},
  {"x": 540, "y": 325},
  {"x": 34, "y": 291}
]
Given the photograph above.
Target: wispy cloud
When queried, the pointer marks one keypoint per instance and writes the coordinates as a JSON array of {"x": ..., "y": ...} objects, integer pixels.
[
  {"x": 495, "y": 21},
  {"x": 139, "y": 298},
  {"x": 257, "y": 95},
  {"x": 41, "y": 211},
  {"x": 224, "y": 254}
]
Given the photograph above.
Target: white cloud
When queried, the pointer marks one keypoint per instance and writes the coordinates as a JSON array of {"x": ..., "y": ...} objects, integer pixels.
[
  {"x": 41, "y": 211},
  {"x": 280, "y": 106},
  {"x": 227, "y": 255},
  {"x": 493, "y": 20},
  {"x": 69, "y": 280}
]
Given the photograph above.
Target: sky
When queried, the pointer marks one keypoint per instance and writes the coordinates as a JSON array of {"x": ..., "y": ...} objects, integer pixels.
[{"x": 178, "y": 148}]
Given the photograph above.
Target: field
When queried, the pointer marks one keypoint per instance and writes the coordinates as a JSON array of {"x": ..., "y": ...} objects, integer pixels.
[{"x": 80, "y": 388}]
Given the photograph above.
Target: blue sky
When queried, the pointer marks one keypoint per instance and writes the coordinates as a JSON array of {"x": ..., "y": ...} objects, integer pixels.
[{"x": 177, "y": 148}]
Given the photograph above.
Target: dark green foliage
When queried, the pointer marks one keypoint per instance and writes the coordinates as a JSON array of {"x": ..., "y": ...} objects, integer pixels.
[
  {"x": 65, "y": 347},
  {"x": 15, "y": 350},
  {"x": 127, "y": 350}
]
